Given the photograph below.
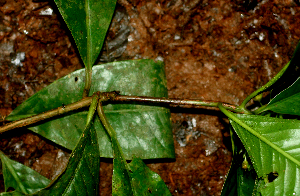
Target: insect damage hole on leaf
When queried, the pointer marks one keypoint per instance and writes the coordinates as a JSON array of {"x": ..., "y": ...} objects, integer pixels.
[
  {"x": 10, "y": 189},
  {"x": 272, "y": 176},
  {"x": 76, "y": 79}
]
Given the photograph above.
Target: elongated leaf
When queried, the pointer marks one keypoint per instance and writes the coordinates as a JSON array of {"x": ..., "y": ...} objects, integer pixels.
[
  {"x": 145, "y": 181},
  {"x": 88, "y": 21},
  {"x": 142, "y": 130},
  {"x": 282, "y": 159},
  {"x": 134, "y": 178},
  {"x": 121, "y": 180},
  {"x": 137, "y": 179},
  {"x": 21, "y": 177},
  {"x": 81, "y": 176},
  {"x": 287, "y": 102}
]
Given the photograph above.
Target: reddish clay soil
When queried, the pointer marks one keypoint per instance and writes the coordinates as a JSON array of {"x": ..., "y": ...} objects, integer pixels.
[{"x": 213, "y": 50}]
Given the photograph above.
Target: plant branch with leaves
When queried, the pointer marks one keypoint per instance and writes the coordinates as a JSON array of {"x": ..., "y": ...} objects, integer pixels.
[
  {"x": 135, "y": 123},
  {"x": 115, "y": 97}
]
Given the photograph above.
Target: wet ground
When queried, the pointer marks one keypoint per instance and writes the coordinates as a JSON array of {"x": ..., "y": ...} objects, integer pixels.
[{"x": 213, "y": 50}]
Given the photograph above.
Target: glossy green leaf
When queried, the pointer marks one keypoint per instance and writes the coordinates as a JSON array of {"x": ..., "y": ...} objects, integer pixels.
[
  {"x": 88, "y": 21},
  {"x": 283, "y": 158},
  {"x": 21, "y": 177},
  {"x": 287, "y": 101},
  {"x": 145, "y": 181},
  {"x": 121, "y": 179},
  {"x": 137, "y": 180},
  {"x": 134, "y": 178},
  {"x": 144, "y": 131},
  {"x": 81, "y": 177}
]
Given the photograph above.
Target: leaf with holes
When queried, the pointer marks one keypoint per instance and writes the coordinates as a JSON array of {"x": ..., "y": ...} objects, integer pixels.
[
  {"x": 21, "y": 177},
  {"x": 139, "y": 77},
  {"x": 88, "y": 21},
  {"x": 277, "y": 163}
]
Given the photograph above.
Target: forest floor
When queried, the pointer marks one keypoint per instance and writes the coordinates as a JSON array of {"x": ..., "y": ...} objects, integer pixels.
[{"x": 213, "y": 50}]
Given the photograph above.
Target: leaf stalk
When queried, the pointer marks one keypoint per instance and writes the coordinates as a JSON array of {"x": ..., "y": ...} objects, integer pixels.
[{"x": 264, "y": 87}]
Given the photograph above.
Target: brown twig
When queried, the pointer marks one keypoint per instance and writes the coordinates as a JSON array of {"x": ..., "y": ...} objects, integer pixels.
[
  {"x": 115, "y": 97},
  {"x": 172, "y": 102},
  {"x": 51, "y": 113}
]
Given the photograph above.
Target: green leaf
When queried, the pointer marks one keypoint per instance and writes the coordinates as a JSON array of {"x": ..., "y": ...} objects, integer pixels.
[
  {"x": 239, "y": 181},
  {"x": 134, "y": 178},
  {"x": 81, "y": 177},
  {"x": 141, "y": 78},
  {"x": 241, "y": 178},
  {"x": 287, "y": 101},
  {"x": 286, "y": 75},
  {"x": 145, "y": 181},
  {"x": 88, "y": 21},
  {"x": 274, "y": 150},
  {"x": 121, "y": 180},
  {"x": 21, "y": 177}
]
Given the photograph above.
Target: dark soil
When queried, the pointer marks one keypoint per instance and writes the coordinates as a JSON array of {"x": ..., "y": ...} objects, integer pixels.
[{"x": 213, "y": 50}]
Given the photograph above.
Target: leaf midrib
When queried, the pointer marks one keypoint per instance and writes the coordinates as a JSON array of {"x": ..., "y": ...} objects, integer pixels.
[
  {"x": 89, "y": 36},
  {"x": 258, "y": 135},
  {"x": 13, "y": 172}
]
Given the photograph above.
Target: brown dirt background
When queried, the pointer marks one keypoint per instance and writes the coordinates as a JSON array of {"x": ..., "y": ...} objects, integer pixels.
[{"x": 213, "y": 50}]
